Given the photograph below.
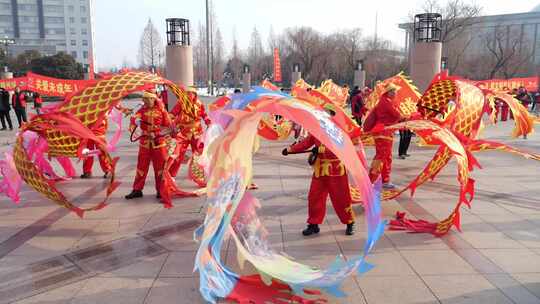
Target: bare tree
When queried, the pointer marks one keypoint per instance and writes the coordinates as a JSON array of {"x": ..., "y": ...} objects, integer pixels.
[
  {"x": 150, "y": 46},
  {"x": 509, "y": 53},
  {"x": 219, "y": 57},
  {"x": 255, "y": 55}
]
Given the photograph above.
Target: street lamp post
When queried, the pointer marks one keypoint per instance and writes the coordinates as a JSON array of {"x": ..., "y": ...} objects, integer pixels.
[
  {"x": 208, "y": 50},
  {"x": 6, "y": 42}
]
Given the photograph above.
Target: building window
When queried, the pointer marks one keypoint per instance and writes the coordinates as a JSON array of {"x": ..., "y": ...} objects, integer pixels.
[
  {"x": 83, "y": 20},
  {"x": 83, "y": 9},
  {"x": 72, "y": 31},
  {"x": 53, "y": 8},
  {"x": 84, "y": 31},
  {"x": 56, "y": 20},
  {"x": 85, "y": 54},
  {"x": 85, "y": 42},
  {"x": 71, "y": 8},
  {"x": 73, "y": 42},
  {"x": 5, "y": 18},
  {"x": 27, "y": 7},
  {"x": 74, "y": 54},
  {"x": 71, "y": 19}
]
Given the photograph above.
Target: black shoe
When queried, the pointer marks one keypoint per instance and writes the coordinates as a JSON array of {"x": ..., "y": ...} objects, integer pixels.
[
  {"x": 86, "y": 175},
  {"x": 134, "y": 194},
  {"x": 350, "y": 229},
  {"x": 158, "y": 196},
  {"x": 407, "y": 155},
  {"x": 3, "y": 129},
  {"x": 402, "y": 157},
  {"x": 311, "y": 229},
  {"x": 106, "y": 175},
  {"x": 11, "y": 129}
]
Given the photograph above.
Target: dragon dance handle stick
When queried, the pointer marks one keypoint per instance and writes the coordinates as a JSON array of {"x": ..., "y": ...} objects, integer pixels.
[{"x": 312, "y": 157}]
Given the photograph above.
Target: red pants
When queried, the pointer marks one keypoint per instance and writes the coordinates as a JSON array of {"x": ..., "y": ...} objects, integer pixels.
[
  {"x": 504, "y": 113},
  {"x": 158, "y": 157},
  {"x": 89, "y": 161},
  {"x": 338, "y": 188},
  {"x": 181, "y": 152},
  {"x": 382, "y": 162}
]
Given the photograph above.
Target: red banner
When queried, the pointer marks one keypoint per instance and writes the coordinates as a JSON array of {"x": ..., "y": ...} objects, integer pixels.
[
  {"x": 277, "y": 66},
  {"x": 44, "y": 85},
  {"x": 530, "y": 83}
]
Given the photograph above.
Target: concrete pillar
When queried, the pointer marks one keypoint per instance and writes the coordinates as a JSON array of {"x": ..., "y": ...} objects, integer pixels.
[
  {"x": 246, "y": 82},
  {"x": 359, "y": 79},
  {"x": 295, "y": 76},
  {"x": 425, "y": 63},
  {"x": 179, "y": 66}
]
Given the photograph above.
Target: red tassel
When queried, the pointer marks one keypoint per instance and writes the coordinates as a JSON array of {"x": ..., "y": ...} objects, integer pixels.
[
  {"x": 252, "y": 290},
  {"x": 401, "y": 223},
  {"x": 78, "y": 211}
]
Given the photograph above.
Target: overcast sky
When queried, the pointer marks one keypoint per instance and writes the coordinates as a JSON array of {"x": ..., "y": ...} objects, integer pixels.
[{"x": 119, "y": 23}]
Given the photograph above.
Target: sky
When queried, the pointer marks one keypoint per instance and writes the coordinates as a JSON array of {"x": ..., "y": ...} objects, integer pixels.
[{"x": 119, "y": 23}]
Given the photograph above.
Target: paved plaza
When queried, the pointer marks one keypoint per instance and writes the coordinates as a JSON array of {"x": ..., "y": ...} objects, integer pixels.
[{"x": 138, "y": 252}]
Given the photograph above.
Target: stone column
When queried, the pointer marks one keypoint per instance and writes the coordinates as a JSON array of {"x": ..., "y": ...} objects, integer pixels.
[
  {"x": 425, "y": 63},
  {"x": 179, "y": 66},
  {"x": 246, "y": 82},
  {"x": 359, "y": 78},
  {"x": 295, "y": 76}
]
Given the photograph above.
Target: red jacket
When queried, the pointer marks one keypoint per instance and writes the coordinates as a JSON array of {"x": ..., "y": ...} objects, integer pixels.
[
  {"x": 357, "y": 104},
  {"x": 18, "y": 101},
  {"x": 385, "y": 112},
  {"x": 153, "y": 121},
  {"x": 327, "y": 163}
]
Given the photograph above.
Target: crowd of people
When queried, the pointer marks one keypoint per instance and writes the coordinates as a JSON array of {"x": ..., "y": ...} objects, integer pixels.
[{"x": 18, "y": 101}]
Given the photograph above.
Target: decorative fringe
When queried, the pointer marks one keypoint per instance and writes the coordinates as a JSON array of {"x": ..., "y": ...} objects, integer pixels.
[{"x": 252, "y": 290}]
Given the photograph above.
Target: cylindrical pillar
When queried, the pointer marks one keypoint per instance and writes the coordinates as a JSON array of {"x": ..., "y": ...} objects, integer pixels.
[
  {"x": 295, "y": 77},
  {"x": 360, "y": 79},
  {"x": 246, "y": 82},
  {"x": 359, "y": 75},
  {"x": 425, "y": 63},
  {"x": 178, "y": 55},
  {"x": 246, "y": 79},
  {"x": 296, "y": 74},
  {"x": 426, "y": 54}
]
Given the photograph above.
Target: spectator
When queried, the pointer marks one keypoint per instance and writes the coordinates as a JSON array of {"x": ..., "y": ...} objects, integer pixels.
[
  {"x": 5, "y": 108},
  {"x": 18, "y": 101},
  {"x": 38, "y": 103},
  {"x": 357, "y": 105},
  {"x": 404, "y": 143}
]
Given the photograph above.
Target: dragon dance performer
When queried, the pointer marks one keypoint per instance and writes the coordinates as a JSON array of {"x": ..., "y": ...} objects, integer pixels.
[
  {"x": 88, "y": 162},
  {"x": 153, "y": 144},
  {"x": 189, "y": 128},
  {"x": 384, "y": 113},
  {"x": 329, "y": 178},
  {"x": 100, "y": 131}
]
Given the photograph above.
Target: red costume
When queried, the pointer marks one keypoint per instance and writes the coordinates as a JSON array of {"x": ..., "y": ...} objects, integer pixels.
[
  {"x": 153, "y": 144},
  {"x": 189, "y": 130},
  {"x": 88, "y": 162},
  {"x": 329, "y": 178},
  {"x": 386, "y": 114}
]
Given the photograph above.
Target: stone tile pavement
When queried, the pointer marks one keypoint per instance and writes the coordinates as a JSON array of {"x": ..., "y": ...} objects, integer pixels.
[{"x": 138, "y": 252}]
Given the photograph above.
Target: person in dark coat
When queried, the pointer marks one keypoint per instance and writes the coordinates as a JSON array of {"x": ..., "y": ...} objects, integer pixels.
[
  {"x": 5, "y": 108},
  {"x": 18, "y": 101}
]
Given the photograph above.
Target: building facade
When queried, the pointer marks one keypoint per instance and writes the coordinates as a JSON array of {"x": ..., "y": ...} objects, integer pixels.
[
  {"x": 49, "y": 26},
  {"x": 520, "y": 31}
]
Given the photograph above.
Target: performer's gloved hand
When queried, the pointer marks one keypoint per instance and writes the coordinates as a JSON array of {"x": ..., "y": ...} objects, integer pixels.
[{"x": 285, "y": 152}]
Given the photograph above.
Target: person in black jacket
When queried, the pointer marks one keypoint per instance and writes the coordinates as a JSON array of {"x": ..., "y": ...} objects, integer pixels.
[
  {"x": 5, "y": 108},
  {"x": 18, "y": 100}
]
